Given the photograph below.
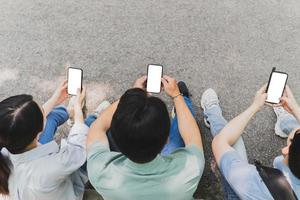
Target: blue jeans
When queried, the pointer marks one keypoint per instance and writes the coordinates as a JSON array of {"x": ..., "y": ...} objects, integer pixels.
[
  {"x": 55, "y": 118},
  {"x": 217, "y": 123},
  {"x": 175, "y": 139}
]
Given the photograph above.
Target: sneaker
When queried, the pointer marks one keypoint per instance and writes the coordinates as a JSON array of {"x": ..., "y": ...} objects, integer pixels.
[
  {"x": 183, "y": 89},
  {"x": 209, "y": 99},
  {"x": 102, "y": 106},
  {"x": 280, "y": 113}
]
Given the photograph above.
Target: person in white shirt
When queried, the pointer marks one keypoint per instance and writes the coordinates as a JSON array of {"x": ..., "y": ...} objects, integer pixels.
[{"x": 32, "y": 165}]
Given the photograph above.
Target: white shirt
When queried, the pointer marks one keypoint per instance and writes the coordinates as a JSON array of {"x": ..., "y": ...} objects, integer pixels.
[{"x": 50, "y": 172}]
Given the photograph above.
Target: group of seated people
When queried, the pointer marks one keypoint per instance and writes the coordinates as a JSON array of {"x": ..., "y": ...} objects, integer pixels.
[{"x": 131, "y": 150}]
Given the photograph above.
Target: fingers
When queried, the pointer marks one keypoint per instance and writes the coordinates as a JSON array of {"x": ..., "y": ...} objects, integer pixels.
[
  {"x": 78, "y": 93},
  {"x": 168, "y": 78},
  {"x": 263, "y": 89},
  {"x": 64, "y": 84},
  {"x": 83, "y": 93},
  {"x": 144, "y": 78},
  {"x": 269, "y": 104},
  {"x": 164, "y": 81}
]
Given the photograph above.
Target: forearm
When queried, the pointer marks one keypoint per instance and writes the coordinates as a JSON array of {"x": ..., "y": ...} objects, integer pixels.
[
  {"x": 296, "y": 113},
  {"x": 235, "y": 128},
  {"x": 99, "y": 128},
  {"x": 187, "y": 124},
  {"x": 49, "y": 105}
]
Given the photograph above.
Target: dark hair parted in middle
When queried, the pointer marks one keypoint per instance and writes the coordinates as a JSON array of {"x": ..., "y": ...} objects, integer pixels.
[{"x": 140, "y": 125}]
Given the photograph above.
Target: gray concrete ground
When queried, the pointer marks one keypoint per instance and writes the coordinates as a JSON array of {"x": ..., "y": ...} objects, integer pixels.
[{"x": 228, "y": 45}]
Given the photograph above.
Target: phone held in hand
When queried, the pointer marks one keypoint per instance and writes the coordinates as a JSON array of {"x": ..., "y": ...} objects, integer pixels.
[
  {"x": 75, "y": 76},
  {"x": 276, "y": 86},
  {"x": 154, "y": 75}
]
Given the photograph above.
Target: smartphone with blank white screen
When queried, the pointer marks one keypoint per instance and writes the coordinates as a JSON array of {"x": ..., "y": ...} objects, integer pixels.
[
  {"x": 74, "y": 80},
  {"x": 154, "y": 76},
  {"x": 276, "y": 86}
]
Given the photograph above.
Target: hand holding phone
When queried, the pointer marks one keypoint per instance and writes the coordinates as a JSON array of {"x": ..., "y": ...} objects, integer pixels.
[
  {"x": 276, "y": 86},
  {"x": 75, "y": 76},
  {"x": 154, "y": 76}
]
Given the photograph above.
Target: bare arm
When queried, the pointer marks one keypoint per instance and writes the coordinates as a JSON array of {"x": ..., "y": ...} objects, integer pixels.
[
  {"x": 234, "y": 129},
  {"x": 187, "y": 124},
  {"x": 59, "y": 96},
  {"x": 99, "y": 128}
]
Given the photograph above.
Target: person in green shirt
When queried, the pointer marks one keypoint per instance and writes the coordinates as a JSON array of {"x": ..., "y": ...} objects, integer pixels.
[{"x": 157, "y": 159}]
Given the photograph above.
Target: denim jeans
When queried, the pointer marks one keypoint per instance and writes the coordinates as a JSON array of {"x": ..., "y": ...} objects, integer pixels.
[
  {"x": 175, "y": 139},
  {"x": 217, "y": 122},
  {"x": 55, "y": 118}
]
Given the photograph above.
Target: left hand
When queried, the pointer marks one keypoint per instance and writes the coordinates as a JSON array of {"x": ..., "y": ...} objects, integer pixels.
[
  {"x": 60, "y": 94},
  {"x": 140, "y": 82}
]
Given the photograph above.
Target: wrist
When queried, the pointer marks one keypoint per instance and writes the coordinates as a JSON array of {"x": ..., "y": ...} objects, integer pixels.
[
  {"x": 177, "y": 98},
  {"x": 176, "y": 95}
]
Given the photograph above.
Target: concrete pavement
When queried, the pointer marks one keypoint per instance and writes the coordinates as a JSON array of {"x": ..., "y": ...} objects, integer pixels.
[{"x": 228, "y": 45}]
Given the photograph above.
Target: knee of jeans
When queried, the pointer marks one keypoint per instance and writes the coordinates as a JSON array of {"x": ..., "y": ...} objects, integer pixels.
[{"x": 59, "y": 114}]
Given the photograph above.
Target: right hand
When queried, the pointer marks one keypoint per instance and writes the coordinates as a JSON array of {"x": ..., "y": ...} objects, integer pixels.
[
  {"x": 78, "y": 105},
  {"x": 260, "y": 98},
  {"x": 288, "y": 101},
  {"x": 170, "y": 86},
  {"x": 140, "y": 82}
]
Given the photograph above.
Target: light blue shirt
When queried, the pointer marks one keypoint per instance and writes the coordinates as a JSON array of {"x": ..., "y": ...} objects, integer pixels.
[
  {"x": 243, "y": 177},
  {"x": 246, "y": 181},
  {"x": 50, "y": 172}
]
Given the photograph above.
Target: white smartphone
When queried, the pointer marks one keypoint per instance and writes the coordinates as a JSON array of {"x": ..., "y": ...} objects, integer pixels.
[
  {"x": 154, "y": 75},
  {"x": 74, "y": 80},
  {"x": 276, "y": 86}
]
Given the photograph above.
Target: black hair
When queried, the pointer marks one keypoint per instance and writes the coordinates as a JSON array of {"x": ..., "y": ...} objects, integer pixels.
[
  {"x": 21, "y": 120},
  {"x": 294, "y": 155},
  {"x": 140, "y": 125}
]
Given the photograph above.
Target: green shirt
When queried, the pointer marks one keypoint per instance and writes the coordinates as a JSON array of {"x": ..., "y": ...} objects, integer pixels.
[{"x": 173, "y": 177}]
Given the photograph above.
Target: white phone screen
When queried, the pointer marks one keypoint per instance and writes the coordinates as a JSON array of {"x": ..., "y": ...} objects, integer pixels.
[
  {"x": 276, "y": 87},
  {"x": 154, "y": 78},
  {"x": 74, "y": 80}
]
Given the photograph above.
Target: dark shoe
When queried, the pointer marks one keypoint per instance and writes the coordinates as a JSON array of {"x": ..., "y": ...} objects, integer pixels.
[{"x": 183, "y": 89}]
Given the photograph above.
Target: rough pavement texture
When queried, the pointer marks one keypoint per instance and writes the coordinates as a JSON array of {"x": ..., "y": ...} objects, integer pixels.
[{"x": 228, "y": 45}]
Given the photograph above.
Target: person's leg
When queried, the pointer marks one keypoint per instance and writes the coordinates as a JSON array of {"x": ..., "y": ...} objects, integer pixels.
[
  {"x": 217, "y": 122},
  {"x": 214, "y": 118},
  {"x": 55, "y": 118},
  {"x": 90, "y": 119},
  {"x": 175, "y": 139}
]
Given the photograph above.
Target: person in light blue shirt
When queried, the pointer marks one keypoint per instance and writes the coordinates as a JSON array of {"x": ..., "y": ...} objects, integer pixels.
[
  {"x": 241, "y": 180},
  {"x": 32, "y": 165}
]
